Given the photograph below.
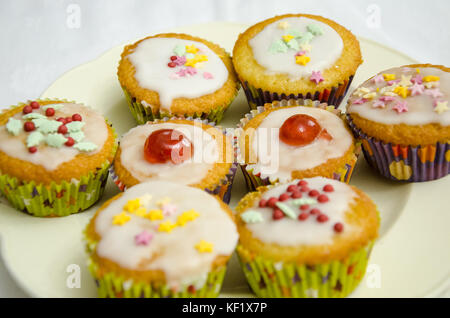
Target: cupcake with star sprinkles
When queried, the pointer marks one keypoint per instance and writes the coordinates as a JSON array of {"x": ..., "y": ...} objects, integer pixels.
[
  {"x": 296, "y": 56},
  {"x": 160, "y": 239},
  {"x": 177, "y": 75},
  {"x": 295, "y": 139},
  {"x": 402, "y": 116},
  {"x": 307, "y": 238},
  {"x": 54, "y": 156},
  {"x": 189, "y": 152}
]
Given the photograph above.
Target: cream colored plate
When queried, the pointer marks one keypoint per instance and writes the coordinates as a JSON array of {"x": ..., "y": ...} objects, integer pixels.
[{"x": 411, "y": 258}]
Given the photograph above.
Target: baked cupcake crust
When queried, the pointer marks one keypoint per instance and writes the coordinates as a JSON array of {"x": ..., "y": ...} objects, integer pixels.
[
  {"x": 82, "y": 164},
  {"x": 250, "y": 71},
  {"x": 182, "y": 106}
]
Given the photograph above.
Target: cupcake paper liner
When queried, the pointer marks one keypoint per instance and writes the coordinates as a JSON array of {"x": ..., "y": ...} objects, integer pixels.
[
  {"x": 332, "y": 96},
  {"x": 405, "y": 162},
  {"x": 143, "y": 113},
  {"x": 253, "y": 181},
  {"x": 223, "y": 189},
  {"x": 335, "y": 279},
  {"x": 56, "y": 199}
]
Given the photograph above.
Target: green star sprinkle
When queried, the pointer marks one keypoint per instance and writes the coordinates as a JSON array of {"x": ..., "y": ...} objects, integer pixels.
[
  {"x": 278, "y": 46},
  {"x": 286, "y": 210},
  {"x": 179, "y": 50},
  {"x": 46, "y": 126},
  {"x": 293, "y": 44},
  {"x": 314, "y": 29},
  {"x": 55, "y": 140},
  {"x": 75, "y": 126},
  {"x": 34, "y": 116},
  {"x": 77, "y": 135},
  {"x": 54, "y": 106},
  {"x": 306, "y": 38},
  {"x": 85, "y": 146},
  {"x": 302, "y": 201},
  {"x": 14, "y": 126},
  {"x": 34, "y": 139},
  {"x": 251, "y": 217}
]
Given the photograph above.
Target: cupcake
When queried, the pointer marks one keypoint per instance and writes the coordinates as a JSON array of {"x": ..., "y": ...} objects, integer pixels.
[
  {"x": 296, "y": 56},
  {"x": 300, "y": 139},
  {"x": 160, "y": 239},
  {"x": 306, "y": 238},
  {"x": 403, "y": 118},
  {"x": 54, "y": 156},
  {"x": 177, "y": 75},
  {"x": 188, "y": 152}
]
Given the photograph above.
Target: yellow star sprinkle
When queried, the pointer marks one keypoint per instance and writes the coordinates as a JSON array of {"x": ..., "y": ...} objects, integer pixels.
[
  {"x": 121, "y": 219},
  {"x": 191, "y": 49},
  {"x": 187, "y": 216},
  {"x": 167, "y": 226},
  {"x": 190, "y": 62},
  {"x": 163, "y": 201},
  {"x": 389, "y": 77},
  {"x": 302, "y": 60},
  {"x": 283, "y": 25},
  {"x": 287, "y": 38},
  {"x": 204, "y": 247},
  {"x": 142, "y": 212},
  {"x": 402, "y": 91},
  {"x": 132, "y": 205},
  {"x": 441, "y": 107},
  {"x": 431, "y": 78},
  {"x": 154, "y": 215}
]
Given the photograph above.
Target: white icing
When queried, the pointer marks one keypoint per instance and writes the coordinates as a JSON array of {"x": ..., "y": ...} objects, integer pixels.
[
  {"x": 326, "y": 48},
  {"x": 150, "y": 59},
  {"x": 95, "y": 130},
  {"x": 293, "y": 232},
  {"x": 420, "y": 107},
  {"x": 292, "y": 158},
  {"x": 179, "y": 259},
  {"x": 191, "y": 171}
]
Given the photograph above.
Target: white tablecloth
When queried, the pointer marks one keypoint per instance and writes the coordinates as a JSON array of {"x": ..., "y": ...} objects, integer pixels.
[{"x": 41, "y": 39}]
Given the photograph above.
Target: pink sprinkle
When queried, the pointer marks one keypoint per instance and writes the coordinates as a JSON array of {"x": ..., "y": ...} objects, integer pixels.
[
  {"x": 417, "y": 89},
  {"x": 417, "y": 79},
  {"x": 143, "y": 238},
  {"x": 181, "y": 72},
  {"x": 401, "y": 107},
  {"x": 387, "y": 98},
  {"x": 169, "y": 209},
  {"x": 207, "y": 75},
  {"x": 359, "y": 101},
  {"x": 191, "y": 70},
  {"x": 435, "y": 92},
  {"x": 316, "y": 77},
  {"x": 180, "y": 60},
  {"x": 378, "y": 104},
  {"x": 300, "y": 53},
  {"x": 390, "y": 83},
  {"x": 378, "y": 79}
]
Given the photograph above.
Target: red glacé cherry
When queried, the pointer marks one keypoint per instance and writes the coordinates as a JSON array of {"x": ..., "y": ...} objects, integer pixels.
[
  {"x": 299, "y": 130},
  {"x": 165, "y": 145}
]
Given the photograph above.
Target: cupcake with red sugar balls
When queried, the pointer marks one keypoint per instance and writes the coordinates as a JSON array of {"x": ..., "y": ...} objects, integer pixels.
[
  {"x": 307, "y": 238},
  {"x": 54, "y": 156}
]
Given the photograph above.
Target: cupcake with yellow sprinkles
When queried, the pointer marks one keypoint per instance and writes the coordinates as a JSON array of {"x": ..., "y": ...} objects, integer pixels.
[
  {"x": 160, "y": 239},
  {"x": 307, "y": 238},
  {"x": 54, "y": 156}
]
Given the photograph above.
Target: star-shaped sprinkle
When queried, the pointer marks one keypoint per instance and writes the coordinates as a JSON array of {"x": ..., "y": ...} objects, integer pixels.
[
  {"x": 387, "y": 98},
  {"x": 431, "y": 78},
  {"x": 417, "y": 89},
  {"x": 187, "y": 216},
  {"x": 283, "y": 25},
  {"x": 417, "y": 79},
  {"x": 121, "y": 219},
  {"x": 167, "y": 226},
  {"x": 401, "y": 107},
  {"x": 302, "y": 60},
  {"x": 390, "y": 83},
  {"x": 191, "y": 49},
  {"x": 180, "y": 60},
  {"x": 378, "y": 104},
  {"x": 207, "y": 75},
  {"x": 306, "y": 47},
  {"x": 441, "y": 106},
  {"x": 405, "y": 81},
  {"x": 191, "y": 71},
  {"x": 143, "y": 238},
  {"x": 378, "y": 79},
  {"x": 252, "y": 217},
  {"x": 389, "y": 77},
  {"x": 359, "y": 101},
  {"x": 287, "y": 37},
  {"x": 402, "y": 91},
  {"x": 132, "y": 205},
  {"x": 316, "y": 77},
  {"x": 204, "y": 247},
  {"x": 155, "y": 215},
  {"x": 300, "y": 53},
  {"x": 435, "y": 92},
  {"x": 169, "y": 209},
  {"x": 181, "y": 72},
  {"x": 431, "y": 84},
  {"x": 142, "y": 212}
]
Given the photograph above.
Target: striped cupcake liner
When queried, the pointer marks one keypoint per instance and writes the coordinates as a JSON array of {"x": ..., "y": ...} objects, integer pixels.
[
  {"x": 336, "y": 279},
  {"x": 254, "y": 180},
  {"x": 223, "y": 188},
  {"x": 143, "y": 112},
  {"x": 404, "y": 162},
  {"x": 332, "y": 96}
]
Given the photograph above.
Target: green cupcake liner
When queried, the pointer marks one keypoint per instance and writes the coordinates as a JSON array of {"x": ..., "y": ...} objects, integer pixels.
[
  {"x": 110, "y": 285},
  {"x": 143, "y": 114},
  {"x": 335, "y": 279}
]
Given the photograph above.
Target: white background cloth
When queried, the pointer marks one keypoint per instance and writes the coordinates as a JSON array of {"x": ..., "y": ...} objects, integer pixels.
[{"x": 43, "y": 39}]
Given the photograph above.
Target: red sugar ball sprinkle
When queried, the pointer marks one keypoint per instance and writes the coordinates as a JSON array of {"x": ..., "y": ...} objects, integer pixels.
[
  {"x": 315, "y": 211},
  {"x": 27, "y": 109},
  {"x": 296, "y": 195},
  {"x": 313, "y": 193},
  {"x": 323, "y": 198},
  {"x": 322, "y": 218},
  {"x": 292, "y": 188},
  {"x": 272, "y": 202},
  {"x": 303, "y": 216},
  {"x": 171, "y": 64},
  {"x": 304, "y": 189},
  {"x": 262, "y": 203},
  {"x": 70, "y": 142},
  {"x": 29, "y": 126},
  {"x": 62, "y": 129},
  {"x": 284, "y": 197},
  {"x": 173, "y": 58},
  {"x": 61, "y": 119},
  {"x": 68, "y": 120},
  {"x": 35, "y": 105},
  {"x": 49, "y": 112},
  {"x": 32, "y": 149},
  {"x": 338, "y": 227},
  {"x": 76, "y": 117},
  {"x": 304, "y": 207},
  {"x": 328, "y": 188},
  {"x": 302, "y": 183},
  {"x": 277, "y": 214}
]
